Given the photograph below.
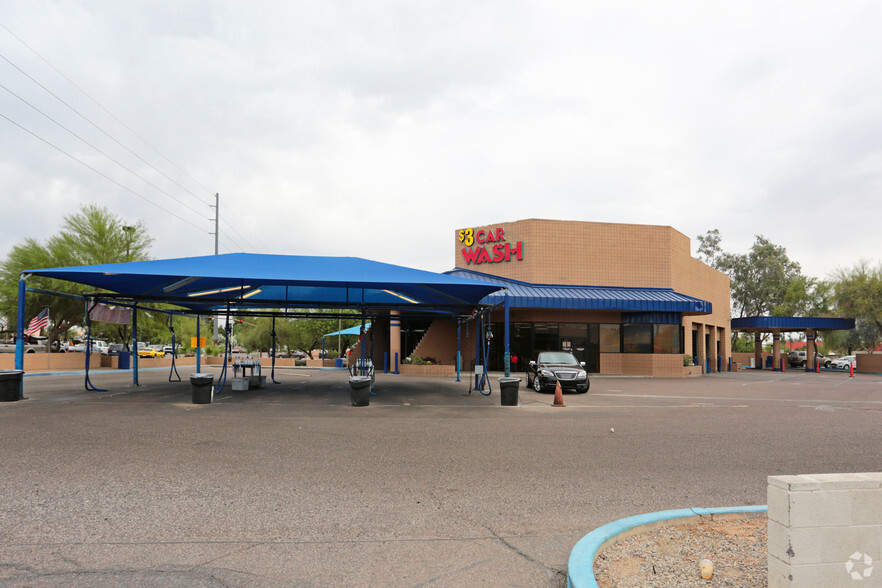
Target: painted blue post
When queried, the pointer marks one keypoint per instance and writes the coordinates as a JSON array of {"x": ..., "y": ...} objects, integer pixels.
[
  {"x": 458, "y": 350},
  {"x": 198, "y": 348},
  {"x": 719, "y": 363},
  {"x": 478, "y": 331},
  {"x": 507, "y": 345},
  {"x": 730, "y": 364},
  {"x": 385, "y": 362},
  {"x": 396, "y": 364},
  {"x": 707, "y": 365},
  {"x": 134, "y": 345},
  {"x": 19, "y": 334},
  {"x": 323, "y": 352},
  {"x": 363, "y": 343}
]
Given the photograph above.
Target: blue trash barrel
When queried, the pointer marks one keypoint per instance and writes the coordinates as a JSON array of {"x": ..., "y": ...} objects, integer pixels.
[
  {"x": 339, "y": 362},
  {"x": 124, "y": 361}
]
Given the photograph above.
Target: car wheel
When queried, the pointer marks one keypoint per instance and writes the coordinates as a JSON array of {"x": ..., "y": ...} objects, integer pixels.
[
  {"x": 537, "y": 385},
  {"x": 802, "y": 364}
]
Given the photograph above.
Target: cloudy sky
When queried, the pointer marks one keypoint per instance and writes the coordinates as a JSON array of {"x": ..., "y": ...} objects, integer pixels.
[{"x": 377, "y": 128}]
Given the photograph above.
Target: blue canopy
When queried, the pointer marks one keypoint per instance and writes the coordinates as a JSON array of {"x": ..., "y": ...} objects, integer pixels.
[
  {"x": 642, "y": 300},
  {"x": 246, "y": 280}
]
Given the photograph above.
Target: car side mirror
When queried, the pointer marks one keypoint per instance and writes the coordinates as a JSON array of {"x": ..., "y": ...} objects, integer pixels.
[
  {"x": 582, "y": 363},
  {"x": 532, "y": 364}
]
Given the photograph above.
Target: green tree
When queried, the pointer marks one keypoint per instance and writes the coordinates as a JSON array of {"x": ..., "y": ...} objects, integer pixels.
[
  {"x": 308, "y": 331},
  {"x": 761, "y": 279},
  {"x": 857, "y": 292},
  {"x": 256, "y": 334},
  {"x": 91, "y": 236}
]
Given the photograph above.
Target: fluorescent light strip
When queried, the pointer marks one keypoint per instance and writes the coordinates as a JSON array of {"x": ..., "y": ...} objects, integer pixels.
[
  {"x": 411, "y": 300},
  {"x": 252, "y": 293},
  {"x": 207, "y": 292},
  {"x": 180, "y": 284}
]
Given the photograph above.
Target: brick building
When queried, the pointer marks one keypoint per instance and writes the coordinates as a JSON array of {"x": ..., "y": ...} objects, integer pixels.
[{"x": 625, "y": 299}]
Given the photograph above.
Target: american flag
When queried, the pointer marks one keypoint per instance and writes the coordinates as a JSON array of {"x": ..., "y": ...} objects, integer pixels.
[{"x": 38, "y": 323}]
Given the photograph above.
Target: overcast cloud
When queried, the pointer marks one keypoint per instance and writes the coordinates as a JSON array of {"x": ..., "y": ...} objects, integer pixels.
[{"x": 376, "y": 129}]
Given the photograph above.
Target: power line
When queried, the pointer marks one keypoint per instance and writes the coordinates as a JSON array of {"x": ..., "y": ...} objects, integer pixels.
[
  {"x": 134, "y": 173},
  {"x": 113, "y": 116},
  {"x": 84, "y": 164}
]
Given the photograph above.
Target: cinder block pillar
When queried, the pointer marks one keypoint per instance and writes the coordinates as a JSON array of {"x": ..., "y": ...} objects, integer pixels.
[
  {"x": 776, "y": 350},
  {"x": 699, "y": 333},
  {"x": 825, "y": 530},
  {"x": 809, "y": 350},
  {"x": 394, "y": 340},
  {"x": 758, "y": 349}
]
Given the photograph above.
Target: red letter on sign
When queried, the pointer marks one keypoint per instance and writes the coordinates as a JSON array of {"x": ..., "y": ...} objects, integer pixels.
[
  {"x": 479, "y": 237},
  {"x": 518, "y": 250},
  {"x": 498, "y": 252},
  {"x": 470, "y": 256},
  {"x": 499, "y": 235},
  {"x": 483, "y": 256}
]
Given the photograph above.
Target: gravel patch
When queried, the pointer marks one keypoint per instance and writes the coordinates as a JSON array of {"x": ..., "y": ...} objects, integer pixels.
[{"x": 670, "y": 556}]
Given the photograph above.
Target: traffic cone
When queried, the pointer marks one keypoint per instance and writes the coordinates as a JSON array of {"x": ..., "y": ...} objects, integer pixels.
[{"x": 558, "y": 395}]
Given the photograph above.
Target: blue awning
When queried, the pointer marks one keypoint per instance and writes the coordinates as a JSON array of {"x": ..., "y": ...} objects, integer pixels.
[
  {"x": 525, "y": 295},
  {"x": 790, "y": 323},
  {"x": 247, "y": 280}
]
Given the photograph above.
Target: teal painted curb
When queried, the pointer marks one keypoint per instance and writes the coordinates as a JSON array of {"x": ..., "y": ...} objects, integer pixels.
[{"x": 580, "y": 569}]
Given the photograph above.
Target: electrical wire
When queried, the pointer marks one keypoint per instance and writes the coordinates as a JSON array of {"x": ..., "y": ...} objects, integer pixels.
[
  {"x": 122, "y": 165},
  {"x": 114, "y": 117},
  {"x": 105, "y": 176}
]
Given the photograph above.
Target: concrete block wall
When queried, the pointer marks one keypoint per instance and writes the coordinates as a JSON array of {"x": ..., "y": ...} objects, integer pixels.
[{"x": 825, "y": 530}]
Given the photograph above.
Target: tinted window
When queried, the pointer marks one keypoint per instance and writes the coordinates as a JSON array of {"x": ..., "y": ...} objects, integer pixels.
[
  {"x": 610, "y": 338},
  {"x": 552, "y": 357},
  {"x": 637, "y": 338},
  {"x": 666, "y": 339}
]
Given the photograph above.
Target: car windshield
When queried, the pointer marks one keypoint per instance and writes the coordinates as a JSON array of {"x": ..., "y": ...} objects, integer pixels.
[{"x": 562, "y": 358}]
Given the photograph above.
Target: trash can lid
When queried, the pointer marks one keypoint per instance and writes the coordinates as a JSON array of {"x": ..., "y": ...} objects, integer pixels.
[
  {"x": 359, "y": 378},
  {"x": 201, "y": 375},
  {"x": 508, "y": 380}
]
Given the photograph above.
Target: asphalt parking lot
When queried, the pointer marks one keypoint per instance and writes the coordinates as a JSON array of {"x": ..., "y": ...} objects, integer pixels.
[{"x": 428, "y": 486}]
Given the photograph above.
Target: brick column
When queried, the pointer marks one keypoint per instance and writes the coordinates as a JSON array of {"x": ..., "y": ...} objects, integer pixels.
[
  {"x": 776, "y": 350},
  {"x": 809, "y": 350},
  {"x": 394, "y": 340},
  {"x": 712, "y": 343},
  {"x": 699, "y": 333},
  {"x": 758, "y": 349}
]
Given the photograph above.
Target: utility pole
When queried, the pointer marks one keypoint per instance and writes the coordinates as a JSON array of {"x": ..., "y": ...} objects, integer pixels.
[{"x": 216, "y": 233}]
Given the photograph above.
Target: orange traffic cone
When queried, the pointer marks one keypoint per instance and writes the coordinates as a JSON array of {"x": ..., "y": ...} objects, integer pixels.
[{"x": 558, "y": 395}]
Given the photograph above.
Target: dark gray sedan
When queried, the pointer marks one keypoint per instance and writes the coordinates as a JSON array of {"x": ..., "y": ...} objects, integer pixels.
[{"x": 549, "y": 367}]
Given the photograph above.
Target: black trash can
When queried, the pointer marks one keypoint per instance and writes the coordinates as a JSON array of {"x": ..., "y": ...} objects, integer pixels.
[
  {"x": 203, "y": 388},
  {"x": 10, "y": 385},
  {"x": 360, "y": 391},
  {"x": 124, "y": 361},
  {"x": 508, "y": 391}
]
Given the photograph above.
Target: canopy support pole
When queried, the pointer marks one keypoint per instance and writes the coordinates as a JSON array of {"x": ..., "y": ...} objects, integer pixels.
[
  {"x": 198, "y": 347},
  {"x": 273, "y": 369},
  {"x": 506, "y": 338},
  {"x": 458, "y": 349},
  {"x": 174, "y": 370},
  {"x": 19, "y": 333},
  {"x": 135, "y": 344},
  {"x": 88, "y": 383}
]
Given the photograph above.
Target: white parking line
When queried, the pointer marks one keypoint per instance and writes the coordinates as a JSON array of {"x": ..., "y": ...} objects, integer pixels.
[{"x": 826, "y": 400}]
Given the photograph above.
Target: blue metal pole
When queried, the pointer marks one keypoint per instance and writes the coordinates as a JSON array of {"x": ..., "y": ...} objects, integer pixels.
[
  {"x": 385, "y": 362},
  {"x": 134, "y": 345},
  {"x": 458, "y": 350},
  {"x": 19, "y": 334},
  {"x": 363, "y": 343},
  {"x": 507, "y": 342},
  {"x": 396, "y": 364},
  {"x": 198, "y": 346},
  {"x": 478, "y": 331}
]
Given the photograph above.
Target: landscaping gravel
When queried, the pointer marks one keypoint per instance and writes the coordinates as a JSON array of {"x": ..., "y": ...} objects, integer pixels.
[{"x": 670, "y": 556}]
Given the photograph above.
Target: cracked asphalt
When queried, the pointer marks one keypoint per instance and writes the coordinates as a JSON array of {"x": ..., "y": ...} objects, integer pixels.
[{"x": 428, "y": 486}]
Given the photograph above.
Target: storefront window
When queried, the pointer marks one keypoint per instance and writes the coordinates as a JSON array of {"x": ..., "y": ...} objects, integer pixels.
[
  {"x": 637, "y": 338},
  {"x": 610, "y": 338},
  {"x": 667, "y": 339},
  {"x": 545, "y": 337}
]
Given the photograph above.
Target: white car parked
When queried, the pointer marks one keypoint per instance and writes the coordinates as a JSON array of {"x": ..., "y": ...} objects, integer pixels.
[{"x": 844, "y": 362}]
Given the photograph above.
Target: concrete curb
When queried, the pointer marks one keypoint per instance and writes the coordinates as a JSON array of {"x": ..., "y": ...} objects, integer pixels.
[{"x": 580, "y": 569}]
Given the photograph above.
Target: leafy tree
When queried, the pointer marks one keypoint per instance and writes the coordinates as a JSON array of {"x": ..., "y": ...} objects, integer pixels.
[
  {"x": 858, "y": 292},
  {"x": 91, "y": 236},
  {"x": 256, "y": 333},
  {"x": 761, "y": 279},
  {"x": 308, "y": 331},
  {"x": 744, "y": 343}
]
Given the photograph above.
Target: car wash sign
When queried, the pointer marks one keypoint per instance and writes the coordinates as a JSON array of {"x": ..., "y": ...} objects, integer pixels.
[{"x": 488, "y": 246}]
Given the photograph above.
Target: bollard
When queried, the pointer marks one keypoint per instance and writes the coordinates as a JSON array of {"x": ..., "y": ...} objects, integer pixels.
[
  {"x": 817, "y": 366},
  {"x": 850, "y": 370},
  {"x": 730, "y": 364},
  {"x": 385, "y": 362}
]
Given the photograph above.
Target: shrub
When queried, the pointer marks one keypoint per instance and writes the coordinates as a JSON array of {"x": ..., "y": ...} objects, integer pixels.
[{"x": 687, "y": 360}]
